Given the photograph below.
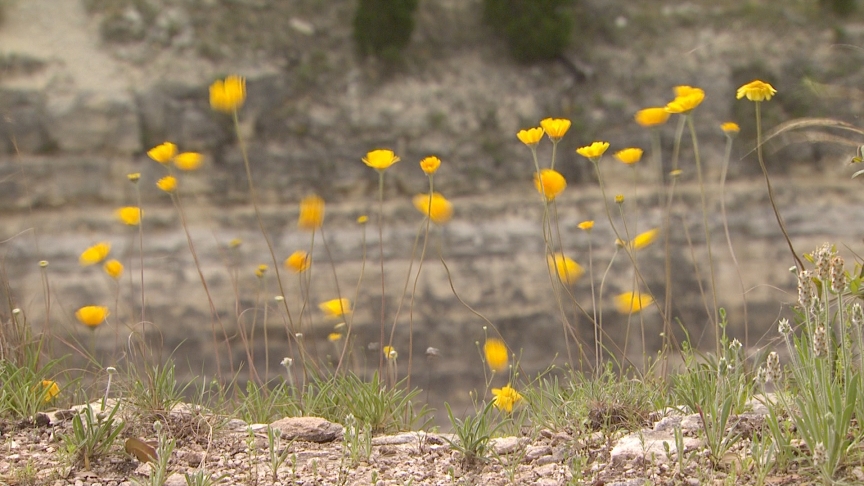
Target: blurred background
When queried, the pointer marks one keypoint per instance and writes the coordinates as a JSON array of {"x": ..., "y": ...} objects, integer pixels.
[{"x": 88, "y": 86}]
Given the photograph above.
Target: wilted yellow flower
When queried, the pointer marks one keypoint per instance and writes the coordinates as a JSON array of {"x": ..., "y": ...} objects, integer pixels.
[
  {"x": 261, "y": 270},
  {"x": 236, "y": 242},
  {"x": 549, "y": 183},
  {"x": 436, "y": 206},
  {"x": 95, "y": 254},
  {"x": 298, "y": 261},
  {"x": 496, "y": 354},
  {"x": 531, "y": 136},
  {"x": 629, "y": 155},
  {"x": 593, "y": 151},
  {"x": 92, "y": 315},
  {"x": 130, "y": 215},
  {"x": 619, "y": 198},
  {"x": 334, "y": 337},
  {"x": 336, "y": 307},
  {"x": 586, "y": 225},
  {"x": 390, "y": 353},
  {"x": 311, "y": 213},
  {"x": 188, "y": 161},
  {"x": 113, "y": 268},
  {"x": 134, "y": 176},
  {"x": 430, "y": 164},
  {"x": 163, "y": 153},
  {"x": 50, "y": 389},
  {"x": 644, "y": 239},
  {"x": 505, "y": 398},
  {"x": 380, "y": 159},
  {"x": 632, "y": 302},
  {"x": 555, "y": 128},
  {"x": 675, "y": 173},
  {"x": 43, "y": 263},
  {"x": 652, "y": 117},
  {"x": 756, "y": 90},
  {"x": 228, "y": 96},
  {"x": 362, "y": 219},
  {"x": 686, "y": 99},
  {"x": 167, "y": 183},
  {"x": 567, "y": 269},
  {"x": 730, "y": 128}
]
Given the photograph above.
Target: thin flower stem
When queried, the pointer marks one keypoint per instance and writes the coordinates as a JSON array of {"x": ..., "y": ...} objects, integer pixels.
[
  {"x": 141, "y": 249},
  {"x": 713, "y": 316},
  {"x": 768, "y": 183},
  {"x": 175, "y": 198},
  {"x": 381, "y": 258},
  {"x": 723, "y": 172},
  {"x": 350, "y": 321},
  {"x": 253, "y": 195}
]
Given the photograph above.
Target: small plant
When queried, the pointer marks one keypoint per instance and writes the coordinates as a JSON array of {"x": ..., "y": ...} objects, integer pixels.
[
  {"x": 357, "y": 440},
  {"x": 535, "y": 30},
  {"x": 202, "y": 478},
  {"x": 277, "y": 456},
  {"x": 473, "y": 434},
  {"x": 383, "y": 27},
  {"x": 159, "y": 467},
  {"x": 157, "y": 391},
  {"x": 93, "y": 435}
]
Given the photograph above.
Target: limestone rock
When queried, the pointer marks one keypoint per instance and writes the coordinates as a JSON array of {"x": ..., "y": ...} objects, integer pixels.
[{"x": 311, "y": 429}]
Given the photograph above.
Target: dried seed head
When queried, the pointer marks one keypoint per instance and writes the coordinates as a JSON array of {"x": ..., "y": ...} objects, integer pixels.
[
  {"x": 820, "y": 454},
  {"x": 784, "y": 327},
  {"x": 838, "y": 275},
  {"x": 820, "y": 342},
  {"x": 857, "y": 314},
  {"x": 822, "y": 257},
  {"x": 805, "y": 289},
  {"x": 772, "y": 368}
]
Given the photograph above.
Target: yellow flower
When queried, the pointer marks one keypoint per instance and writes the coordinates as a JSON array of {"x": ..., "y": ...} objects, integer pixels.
[
  {"x": 362, "y": 219},
  {"x": 756, "y": 90},
  {"x": 167, "y": 183},
  {"x": 188, "y": 161},
  {"x": 652, "y": 117},
  {"x": 113, "y": 268},
  {"x": 311, "y": 213},
  {"x": 629, "y": 155},
  {"x": 430, "y": 164},
  {"x": 567, "y": 269},
  {"x": 593, "y": 151},
  {"x": 336, "y": 307},
  {"x": 236, "y": 242},
  {"x": 675, "y": 173},
  {"x": 298, "y": 261},
  {"x": 632, "y": 302},
  {"x": 686, "y": 99},
  {"x": 555, "y": 128},
  {"x": 92, "y": 315},
  {"x": 50, "y": 389},
  {"x": 334, "y": 337},
  {"x": 163, "y": 153},
  {"x": 586, "y": 225},
  {"x": 496, "y": 354},
  {"x": 436, "y": 206},
  {"x": 95, "y": 254},
  {"x": 130, "y": 215},
  {"x": 730, "y": 128},
  {"x": 619, "y": 198},
  {"x": 531, "y": 136},
  {"x": 261, "y": 270},
  {"x": 134, "y": 176},
  {"x": 505, "y": 398},
  {"x": 390, "y": 353},
  {"x": 549, "y": 183},
  {"x": 227, "y": 96},
  {"x": 644, "y": 239},
  {"x": 380, "y": 159}
]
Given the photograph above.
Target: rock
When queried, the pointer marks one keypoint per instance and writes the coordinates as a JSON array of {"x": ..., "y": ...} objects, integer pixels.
[
  {"x": 648, "y": 445},
  {"x": 505, "y": 445},
  {"x": 311, "y": 429},
  {"x": 535, "y": 452},
  {"x": 175, "y": 480},
  {"x": 405, "y": 438}
]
